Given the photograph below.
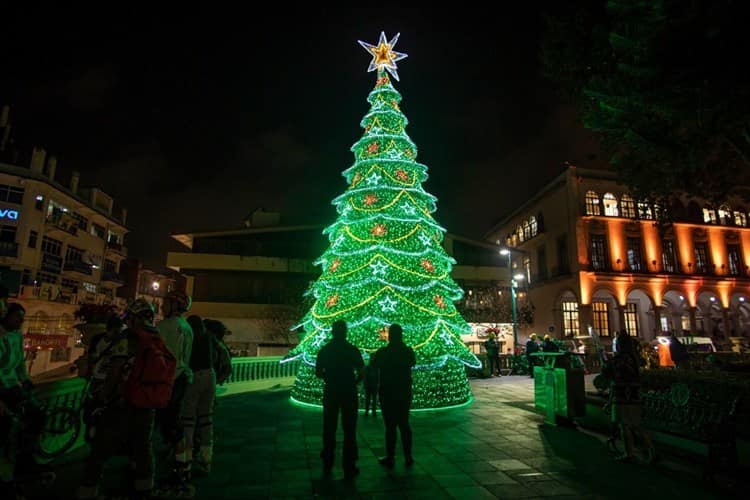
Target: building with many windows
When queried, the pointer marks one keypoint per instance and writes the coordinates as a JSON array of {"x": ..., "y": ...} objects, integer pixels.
[
  {"x": 594, "y": 256},
  {"x": 253, "y": 279},
  {"x": 60, "y": 246}
]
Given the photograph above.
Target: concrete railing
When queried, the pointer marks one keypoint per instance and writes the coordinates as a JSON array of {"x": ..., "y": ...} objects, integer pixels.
[
  {"x": 261, "y": 368},
  {"x": 69, "y": 392}
]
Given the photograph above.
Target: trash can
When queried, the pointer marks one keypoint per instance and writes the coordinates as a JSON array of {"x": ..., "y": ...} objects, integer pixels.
[{"x": 559, "y": 388}]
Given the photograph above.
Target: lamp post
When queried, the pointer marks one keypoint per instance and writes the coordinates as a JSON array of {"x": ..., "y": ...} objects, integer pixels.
[{"x": 514, "y": 307}]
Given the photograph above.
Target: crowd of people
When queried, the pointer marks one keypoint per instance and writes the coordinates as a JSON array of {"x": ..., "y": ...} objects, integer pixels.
[{"x": 141, "y": 377}]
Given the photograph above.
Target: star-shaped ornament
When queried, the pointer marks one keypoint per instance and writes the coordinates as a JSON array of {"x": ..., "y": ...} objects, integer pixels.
[
  {"x": 387, "y": 304},
  {"x": 378, "y": 230},
  {"x": 426, "y": 240},
  {"x": 439, "y": 301},
  {"x": 383, "y": 55},
  {"x": 370, "y": 199},
  {"x": 378, "y": 268},
  {"x": 373, "y": 179},
  {"x": 446, "y": 337}
]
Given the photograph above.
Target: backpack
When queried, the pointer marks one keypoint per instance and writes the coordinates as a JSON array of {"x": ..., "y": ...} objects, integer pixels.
[
  {"x": 149, "y": 384},
  {"x": 222, "y": 362}
]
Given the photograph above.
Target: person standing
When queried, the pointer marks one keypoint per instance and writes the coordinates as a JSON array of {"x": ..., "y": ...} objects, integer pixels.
[
  {"x": 341, "y": 367},
  {"x": 178, "y": 336},
  {"x": 531, "y": 348},
  {"x": 549, "y": 345},
  {"x": 199, "y": 398},
  {"x": 395, "y": 362},
  {"x": 372, "y": 382},
  {"x": 492, "y": 347}
]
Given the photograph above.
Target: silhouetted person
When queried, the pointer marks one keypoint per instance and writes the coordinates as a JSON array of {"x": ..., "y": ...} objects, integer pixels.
[
  {"x": 372, "y": 382},
  {"x": 492, "y": 347},
  {"x": 340, "y": 365},
  {"x": 549, "y": 345},
  {"x": 677, "y": 351},
  {"x": 531, "y": 348},
  {"x": 395, "y": 362}
]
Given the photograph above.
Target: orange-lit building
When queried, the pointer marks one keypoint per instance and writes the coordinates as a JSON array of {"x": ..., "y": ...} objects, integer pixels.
[{"x": 594, "y": 256}]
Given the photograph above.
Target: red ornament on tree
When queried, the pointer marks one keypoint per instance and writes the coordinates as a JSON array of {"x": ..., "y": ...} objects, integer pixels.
[
  {"x": 378, "y": 230},
  {"x": 373, "y": 148},
  {"x": 427, "y": 265},
  {"x": 368, "y": 127},
  {"x": 439, "y": 301},
  {"x": 383, "y": 80},
  {"x": 402, "y": 175},
  {"x": 370, "y": 199},
  {"x": 335, "y": 265},
  {"x": 332, "y": 300}
]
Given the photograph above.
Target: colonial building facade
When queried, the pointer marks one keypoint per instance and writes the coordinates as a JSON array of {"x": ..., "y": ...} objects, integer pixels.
[
  {"x": 596, "y": 257},
  {"x": 60, "y": 246}
]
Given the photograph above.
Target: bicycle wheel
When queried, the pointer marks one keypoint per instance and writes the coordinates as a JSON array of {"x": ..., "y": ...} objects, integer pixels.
[{"x": 60, "y": 432}]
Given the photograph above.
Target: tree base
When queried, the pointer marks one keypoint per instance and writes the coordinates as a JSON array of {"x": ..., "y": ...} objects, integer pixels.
[{"x": 442, "y": 387}]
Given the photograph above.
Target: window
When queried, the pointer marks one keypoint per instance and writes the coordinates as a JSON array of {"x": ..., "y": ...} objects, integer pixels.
[
  {"x": 33, "y": 237},
  {"x": 610, "y": 205},
  {"x": 519, "y": 232},
  {"x": 110, "y": 266},
  {"x": 68, "y": 283},
  {"x": 8, "y": 234},
  {"x": 89, "y": 287},
  {"x": 534, "y": 226},
  {"x": 113, "y": 237},
  {"x": 39, "y": 202},
  {"x": 46, "y": 278},
  {"x": 60, "y": 354},
  {"x": 599, "y": 261},
  {"x": 627, "y": 206},
  {"x": 527, "y": 269},
  {"x": 592, "y": 203},
  {"x": 83, "y": 222},
  {"x": 570, "y": 318},
  {"x": 645, "y": 211},
  {"x": 631, "y": 319},
  {"x": 73, "y": 254},
  {"x": 563, "y": 267},
  {"x": 54, "y": 209},
  {"x": 725, "y": 215},
  {"x": 97, "y": 230},
  {"x": 51, "y": 246},
  {"x": 740, "y": 219},
  {"x": 541, "y": 255},
  {"x": 733, "y": 258},
  {"x": 709, "y": 215},
  {"x": 526, "y": 230},
  {"x": 11, "y": 194},
  {"x": 701, "y": 258},
  {"x": 600, "y": 311},
  {"x": 668, "y": 256},
  {"x": 635, "y": 262}
]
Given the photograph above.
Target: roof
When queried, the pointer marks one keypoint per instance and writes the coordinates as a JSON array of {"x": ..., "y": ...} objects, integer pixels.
[{"x": 28, "y": 174}]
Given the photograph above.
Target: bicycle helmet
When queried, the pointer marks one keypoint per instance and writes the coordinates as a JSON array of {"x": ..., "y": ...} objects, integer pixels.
[
  {"x": 181, "y": 299},
  {"x": 139, "y": 307}
]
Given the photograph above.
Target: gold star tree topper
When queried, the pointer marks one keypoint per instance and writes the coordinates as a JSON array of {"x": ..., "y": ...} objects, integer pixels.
[{"x": 383, "y": 55}]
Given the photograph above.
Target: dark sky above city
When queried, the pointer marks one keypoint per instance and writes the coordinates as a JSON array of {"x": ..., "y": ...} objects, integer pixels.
[{"x": 193, "y": 120}]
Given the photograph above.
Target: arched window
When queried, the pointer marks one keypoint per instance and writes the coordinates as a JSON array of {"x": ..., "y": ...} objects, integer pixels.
[
  {"x": 725, "y": 215},
  {"x": 627, "y": 206},
  {"x": 610, "y": 205},
  {"x": 592, "y": 203},
  {"x": 740, "y": 219},
  {"x": 709, "y": 215},
  {"x": 533, "y": 226}
]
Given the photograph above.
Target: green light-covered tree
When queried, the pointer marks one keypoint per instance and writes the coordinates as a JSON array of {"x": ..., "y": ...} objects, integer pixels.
[{"x": 386, "y": 265}]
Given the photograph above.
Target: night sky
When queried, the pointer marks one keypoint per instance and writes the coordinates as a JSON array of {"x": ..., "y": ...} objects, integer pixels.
[{"x": 193, "y": 120}]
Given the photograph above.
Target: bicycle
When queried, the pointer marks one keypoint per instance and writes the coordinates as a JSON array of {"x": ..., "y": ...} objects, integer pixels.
[{"x": 62, "y": 427}]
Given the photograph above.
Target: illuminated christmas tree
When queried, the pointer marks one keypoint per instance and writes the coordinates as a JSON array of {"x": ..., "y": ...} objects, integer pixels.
[{"x": 386, "y": 263}]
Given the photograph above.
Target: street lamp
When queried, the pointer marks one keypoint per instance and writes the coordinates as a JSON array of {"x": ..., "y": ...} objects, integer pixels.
[{"x": 513, "y": 285}]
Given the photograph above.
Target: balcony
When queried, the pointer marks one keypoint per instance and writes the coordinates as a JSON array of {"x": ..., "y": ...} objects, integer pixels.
[
  {"x": 118, "y": 248},
  {"x": 78, "y": 266},
  {"x": 62, "y": 223},
  {"x": 8, "y": 249},
  {"x": 112, "y": 277}
]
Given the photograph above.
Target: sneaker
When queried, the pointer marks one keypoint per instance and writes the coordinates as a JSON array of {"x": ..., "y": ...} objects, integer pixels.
[{"x": 386, "y": 462}]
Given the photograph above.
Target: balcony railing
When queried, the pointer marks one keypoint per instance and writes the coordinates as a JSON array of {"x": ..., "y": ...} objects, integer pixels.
[
  {"x": 78, "y": 266},
  {"x": 63, "y": 222},
  {"x": 113, "y": 246},
  {"x": 112, "y": 277},
  {"x": 8, "y": 249}
]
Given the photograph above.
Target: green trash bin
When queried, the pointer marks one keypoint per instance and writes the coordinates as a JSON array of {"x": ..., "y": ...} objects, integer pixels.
[{"x": 559, "y": 389}]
